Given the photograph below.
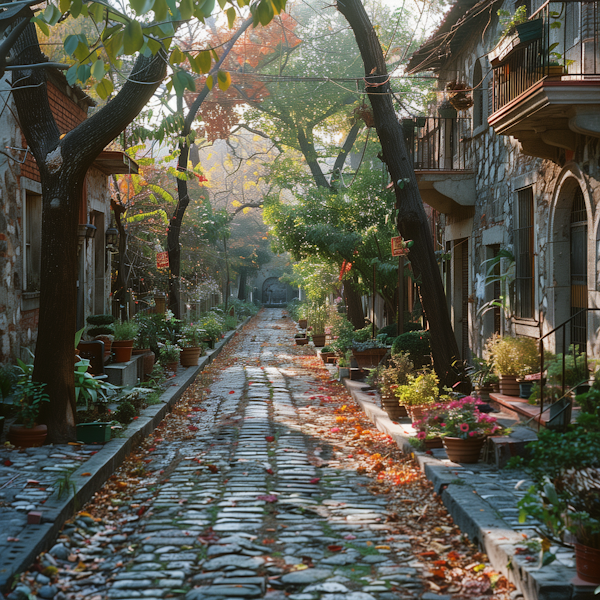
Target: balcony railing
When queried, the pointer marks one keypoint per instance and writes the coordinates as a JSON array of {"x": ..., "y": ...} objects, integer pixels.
[
  {"x": 438, "y": 144},
  {"x": 566, "y": 44}
]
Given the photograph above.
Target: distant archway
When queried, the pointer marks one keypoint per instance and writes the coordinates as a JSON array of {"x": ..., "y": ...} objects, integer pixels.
[{"x": 274, "y": 291}]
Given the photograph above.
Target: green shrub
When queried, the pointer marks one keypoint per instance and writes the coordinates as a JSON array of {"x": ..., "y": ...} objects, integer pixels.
[
  {"x": 125, "y": 413},
  {"x": 420, "y": 390},
  {"x": 127, "y": 330},
  {"x": 416, "y": 344},
  {"x": 514, "y": 355},
  {"x": 392, "y": 329}
]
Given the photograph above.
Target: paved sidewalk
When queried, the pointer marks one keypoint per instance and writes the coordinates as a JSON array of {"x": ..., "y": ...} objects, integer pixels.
[
  {"x": 259, "y": 497},
  {"x": 483, "y": 502},
  {"x": 42, "y": 480}
]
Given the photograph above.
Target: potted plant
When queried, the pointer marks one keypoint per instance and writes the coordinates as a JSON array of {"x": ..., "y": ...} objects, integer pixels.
[
  {"x": 369, "y": 353},
  {"x": 343, "y": 366},
  {"x": 461, "y": 426},
  {"x": 29, "y": 397},
  {"x": 317, "y": 317},
  {"x": 517, "y": 32},
  {"x": 513, "y": 358},
  {"x": 565, "y": 496},
  {"x": 213, "y": 327},
  {"x": 300, "y": 339},
  {"x": 169, "y": 357},
  {"x": 125, "y": 333},
  {"x": 388, "y": 378},
  {"x": 326, "y": 353},
  {"x": 101, "y": 328},
  {"x": 420, "y": 392},
  {"x": 191, "y": 345}
]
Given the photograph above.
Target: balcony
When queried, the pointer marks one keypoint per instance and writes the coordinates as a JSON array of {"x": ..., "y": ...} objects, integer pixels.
[
  {"x": 442, "y": 162},
  {"x": 546, "y": 84}
]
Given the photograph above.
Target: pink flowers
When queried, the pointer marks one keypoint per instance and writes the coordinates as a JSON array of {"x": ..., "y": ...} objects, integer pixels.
[
  {"x": 421, "y": 435},
  {"x": 464, "y": 427}
]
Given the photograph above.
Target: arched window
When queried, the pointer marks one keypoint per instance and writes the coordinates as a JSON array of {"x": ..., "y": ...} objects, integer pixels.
[{"x": 478, "y": 110}]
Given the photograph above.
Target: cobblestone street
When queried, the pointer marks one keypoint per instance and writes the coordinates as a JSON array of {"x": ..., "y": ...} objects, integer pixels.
[{"x": 249, "y": 490}]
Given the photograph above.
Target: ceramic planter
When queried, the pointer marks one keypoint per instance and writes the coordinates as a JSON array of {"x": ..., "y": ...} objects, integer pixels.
[
  {"x": 509, "y": 385},
  {"x": 525, "y": 389},
  {"x": 94, "y": 433},
  {"x": 587, "y": 563},
  {"x": 188, "y": 357},
  {"x": 301, "y": 341},
  {"x": 122, "y": 350},
  {"x": 27, "y": 437},
  {"x": 463, "y": 451}
]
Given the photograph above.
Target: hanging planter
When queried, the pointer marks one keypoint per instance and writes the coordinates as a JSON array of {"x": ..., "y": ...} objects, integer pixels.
[
  {"x": 446, "y": 110},
  {"x": 365, "y": 113},
  {"x": 458, "y": 96}
]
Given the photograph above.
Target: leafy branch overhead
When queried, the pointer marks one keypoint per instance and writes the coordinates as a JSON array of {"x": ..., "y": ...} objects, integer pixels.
[{"x": 150, "y": 26}]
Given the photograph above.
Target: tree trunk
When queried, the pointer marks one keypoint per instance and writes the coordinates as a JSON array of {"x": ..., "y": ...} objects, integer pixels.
[
  {"x": 63, "y": 163},
  {"x": 174, "y": 229},
  {"x": 354, "y": 309},
  {"x": 243, "y": 279},
  {"x": 412, "y": 220}
]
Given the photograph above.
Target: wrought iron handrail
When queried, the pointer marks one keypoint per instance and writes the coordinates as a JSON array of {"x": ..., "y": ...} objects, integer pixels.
[
  {"x": 437, "y": 143},
  {"x": 565, "y": 45},
  {"x": 564, "y": 348}
]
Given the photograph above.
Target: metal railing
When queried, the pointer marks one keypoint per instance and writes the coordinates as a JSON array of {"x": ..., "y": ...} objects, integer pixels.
[
  {"x": 563, "y": 328},
  {"x": 438, "y": 144},
  {"x": 566, "y": 45}
]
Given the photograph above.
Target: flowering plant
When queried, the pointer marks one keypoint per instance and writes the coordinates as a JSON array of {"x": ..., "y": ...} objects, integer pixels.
[{"x": 458, "y": 418}]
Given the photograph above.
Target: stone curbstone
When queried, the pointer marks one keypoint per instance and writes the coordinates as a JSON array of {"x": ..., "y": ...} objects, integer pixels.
[{"x": 475, "y": 518}]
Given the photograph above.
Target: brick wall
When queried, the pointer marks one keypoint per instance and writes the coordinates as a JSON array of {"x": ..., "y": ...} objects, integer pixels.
[
  {"x": 30, "y": 319},
  {"x": 67, "y": 115}
]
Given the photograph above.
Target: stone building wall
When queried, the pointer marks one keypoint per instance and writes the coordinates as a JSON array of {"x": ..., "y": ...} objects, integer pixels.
[{"x": 500, "y": 170}]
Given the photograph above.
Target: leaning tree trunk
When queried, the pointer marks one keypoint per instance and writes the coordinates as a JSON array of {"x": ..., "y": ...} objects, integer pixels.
[
  {"x": 412, "y": 220},
  {"x": 63, "y": 162}
]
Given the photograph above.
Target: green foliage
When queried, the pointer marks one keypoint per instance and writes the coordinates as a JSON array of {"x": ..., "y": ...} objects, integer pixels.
[
  {"x": 420, "y": 389},
  {"x": 514, "y": 355},
  {"x": 169, "y": 353},
  {"x": 125, "y": 413},
  {"x": 100, "y": 320},
  {"x": 126, "y": 330},
  {"x": 214, "y": 325},
  {"x": 388, "y": 377},
  {"x": 509, "y": 21},
  {"x": 8, "y": 379},
  {"x": 575, "y": 369},
  {"x": 87, "y": 388},
  {"x": 416, "y": 344},
  {"x": 28, "y": 396}
]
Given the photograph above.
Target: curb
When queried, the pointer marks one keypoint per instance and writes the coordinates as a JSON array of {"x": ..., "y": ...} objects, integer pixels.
[
  {"x": 35, "y": 539},
  {"x": 476, "y": 518}
]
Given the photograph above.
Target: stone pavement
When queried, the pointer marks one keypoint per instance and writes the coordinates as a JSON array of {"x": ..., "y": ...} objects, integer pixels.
[
  {"x": 252, "y": 501},
  {"x": 41, "y": 480}
]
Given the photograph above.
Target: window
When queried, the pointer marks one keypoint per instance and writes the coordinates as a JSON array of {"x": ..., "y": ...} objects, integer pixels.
[
  {"x": 33, "y": 242},
  {"x": 478, "y": 83},
  {"x": 524, "y": 291}
]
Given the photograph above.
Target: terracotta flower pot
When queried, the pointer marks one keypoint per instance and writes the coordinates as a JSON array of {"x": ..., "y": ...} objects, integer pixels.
[
  {"x": 433, "y": 443},
  {"x": 171, "y": 369},
  {"x": 318, "y": 339},
  {"x": 392, "y": 408},
  {"x": 587, "y": 563},
  {"x": 463, "y": 451},
  {"x": 27, "y": 437},
  {"x": 188, "y": 357},
  {"x": 302, "y": 323},
  {"x": 416, "y": 412},
  {"x": 122, "y": 350},
  {"x": 301, "y": 341}
]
